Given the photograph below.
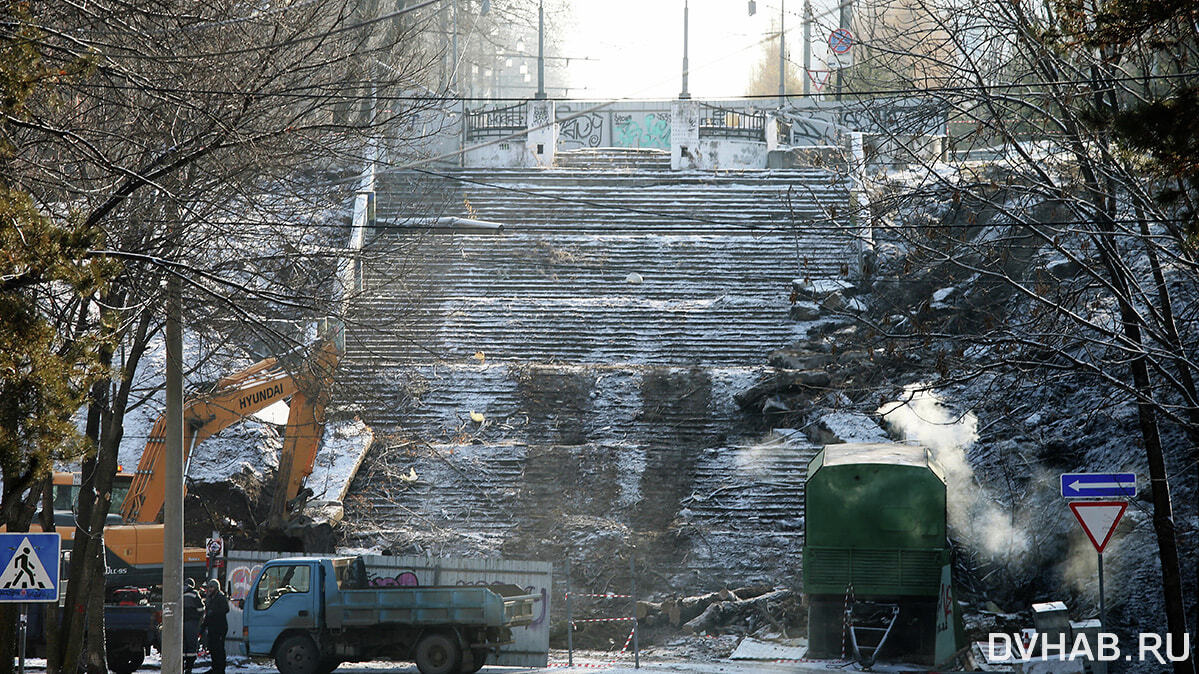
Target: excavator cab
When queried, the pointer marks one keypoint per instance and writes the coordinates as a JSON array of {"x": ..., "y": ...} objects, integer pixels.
[{"x": 66, "y": 497}]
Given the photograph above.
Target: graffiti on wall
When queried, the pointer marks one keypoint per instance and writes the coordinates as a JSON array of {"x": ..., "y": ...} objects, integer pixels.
[
  {"x": 582, "y": 131},
  {"x": 906, "y": 116},
  {"x": 405, "y": 579},
  {"x": 241, "y": 579},
  {"x": 903, "y": 116},
  {"x": 541, "y": 114},
  {"x": 641, "y": 129}
]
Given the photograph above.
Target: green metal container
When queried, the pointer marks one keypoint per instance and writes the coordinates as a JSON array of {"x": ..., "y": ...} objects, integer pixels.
[{"x": 874, "y": 520}]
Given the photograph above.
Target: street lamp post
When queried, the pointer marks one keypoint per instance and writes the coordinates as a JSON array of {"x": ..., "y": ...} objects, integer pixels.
[
  {"x": 782, "y": 53},
  {"x": 454, "y": 60},
  {"x": 541, "y": 50},
  {"x": 807, "y": 47},
  {"x": 842, "y": 22},
  {"x": 684, "y": 94},
  {"x": 753, "y": 8}
]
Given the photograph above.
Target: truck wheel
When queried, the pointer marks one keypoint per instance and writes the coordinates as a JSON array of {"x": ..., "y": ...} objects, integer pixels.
[
  {"x": 297, "y": 655},
  {"x": 473, "y": 661},
  {"x": 125, "y": 660},
  {"x": 437, "y": 653},
  {"x": 328, "y": 665}
]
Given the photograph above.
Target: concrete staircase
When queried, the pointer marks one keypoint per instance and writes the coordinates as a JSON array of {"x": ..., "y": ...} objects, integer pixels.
[
  {"x": 602, "y": 336},
  {"x": 607, "y": 158}
]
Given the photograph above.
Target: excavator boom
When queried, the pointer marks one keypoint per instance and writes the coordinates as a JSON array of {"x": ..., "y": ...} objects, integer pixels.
[{"x": 235, "y": 397}]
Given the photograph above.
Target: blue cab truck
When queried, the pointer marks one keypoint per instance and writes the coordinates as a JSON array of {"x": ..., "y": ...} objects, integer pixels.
[{"x": 313, "y": 613}]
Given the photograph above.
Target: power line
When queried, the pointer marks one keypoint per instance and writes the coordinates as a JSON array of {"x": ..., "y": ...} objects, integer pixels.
[
  {"x": 257, "y": 48},
  {"x": 982, "y": 88}
]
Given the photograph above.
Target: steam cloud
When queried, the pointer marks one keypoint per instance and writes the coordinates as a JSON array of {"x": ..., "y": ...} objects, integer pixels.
[{"x": 921, "y": 417}]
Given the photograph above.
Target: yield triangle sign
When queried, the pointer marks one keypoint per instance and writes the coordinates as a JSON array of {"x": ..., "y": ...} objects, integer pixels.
[
  {"x": 819, "y": 78},
  {"x": 1099, "y": 519},
  {"x": 25, "y": 571}
]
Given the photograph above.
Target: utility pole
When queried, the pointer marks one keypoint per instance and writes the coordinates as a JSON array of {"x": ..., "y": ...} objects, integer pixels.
[
  {"x": 807, "y": 47},
  {"x": 172, "y": 552},
  {"x": 684, "y": 94},
  {"x": 782, "y": 53},
  {"x": 843, "y": 22},
  {"x": 541, "y": 50},
  {"x": 454, "y": 58}
]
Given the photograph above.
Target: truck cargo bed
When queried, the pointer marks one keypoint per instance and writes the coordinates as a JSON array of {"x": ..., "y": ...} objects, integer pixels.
[{"x": 497, "y": 606}]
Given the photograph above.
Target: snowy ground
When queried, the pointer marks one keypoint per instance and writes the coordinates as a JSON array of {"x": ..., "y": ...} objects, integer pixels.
[
  {"x": 584, "y": 661},
  {"x": 685, "y": 655}
]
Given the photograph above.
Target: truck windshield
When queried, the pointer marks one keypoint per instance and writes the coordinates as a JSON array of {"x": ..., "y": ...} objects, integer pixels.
[{"x": 278, "y": 581}]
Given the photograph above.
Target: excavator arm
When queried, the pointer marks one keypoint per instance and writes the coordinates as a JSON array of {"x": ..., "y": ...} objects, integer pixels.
[{"x": 234, "y": 398}]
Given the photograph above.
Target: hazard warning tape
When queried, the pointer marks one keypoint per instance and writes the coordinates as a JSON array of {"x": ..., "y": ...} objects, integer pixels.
[
  {"x": 830, "y": 663},
  {"x": 600, "y": 620},
  {"x": 601, "y": 596}
]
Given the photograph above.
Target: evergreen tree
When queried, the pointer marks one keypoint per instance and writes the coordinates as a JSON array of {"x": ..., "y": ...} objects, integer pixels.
[{"x": 45, "y": 269}]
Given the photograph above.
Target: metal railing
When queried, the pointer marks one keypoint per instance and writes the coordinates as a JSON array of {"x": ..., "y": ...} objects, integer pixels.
[
  {"x": 717, "y": 122},
  {"x": 496, "y": 121}
]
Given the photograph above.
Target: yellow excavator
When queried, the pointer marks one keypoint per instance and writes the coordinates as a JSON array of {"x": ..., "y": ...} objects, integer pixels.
[
  {"x": 232, "y": 399},
  {"x": 305, "y": 382},
  {"x": 134, "y": 539}
]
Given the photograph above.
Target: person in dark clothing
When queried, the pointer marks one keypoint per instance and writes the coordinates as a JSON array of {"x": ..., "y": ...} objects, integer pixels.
[
  {"x": 215, "y": 624},
  {"x": 193, "y": 613}
]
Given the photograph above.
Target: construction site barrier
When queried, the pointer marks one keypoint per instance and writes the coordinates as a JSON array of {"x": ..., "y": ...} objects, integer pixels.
[
  {"x": 601, "y": 596},
  {"x": 603, "y": 665}
]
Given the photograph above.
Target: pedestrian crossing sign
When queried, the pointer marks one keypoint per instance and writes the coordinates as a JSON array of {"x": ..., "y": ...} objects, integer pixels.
[{"x": 29, "y": 566}]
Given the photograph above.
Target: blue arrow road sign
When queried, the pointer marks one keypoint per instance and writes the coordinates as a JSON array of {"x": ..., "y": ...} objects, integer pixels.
[
  {"x": 1084, "y": 485},
  {"x": 29, "y": 566}
]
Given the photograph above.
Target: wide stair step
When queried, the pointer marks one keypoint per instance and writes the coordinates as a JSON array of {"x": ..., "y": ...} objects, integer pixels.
[{"x": 610, "y": 158}]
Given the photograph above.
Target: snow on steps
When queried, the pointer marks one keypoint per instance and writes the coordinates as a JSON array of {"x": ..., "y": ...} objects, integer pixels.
[
  {"x": 602, "y": 336},
  {"x": 607, "y": 158},
  {"x": 636, "y": 200},
  {"x": 743, "y": 498}
]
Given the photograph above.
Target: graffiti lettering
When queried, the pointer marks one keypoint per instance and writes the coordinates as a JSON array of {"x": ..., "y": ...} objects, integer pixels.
[
  {"x": 584, "y": 131},
  {"x": 541, "y": 114},
  {"x": 653, "y": 130},
  {"x": 405, "y": 579},
  {"x": 241, "y": 579}
]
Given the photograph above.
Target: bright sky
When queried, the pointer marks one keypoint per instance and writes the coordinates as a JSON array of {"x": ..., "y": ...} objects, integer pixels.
[{"x": 639, "y": 45}]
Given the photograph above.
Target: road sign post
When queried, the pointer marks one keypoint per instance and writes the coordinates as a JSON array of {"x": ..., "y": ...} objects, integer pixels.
[
  {"x": 29, "y": 566},
  {"x": 24, "y": 626},
  {"x": 1099, "y": 520}
]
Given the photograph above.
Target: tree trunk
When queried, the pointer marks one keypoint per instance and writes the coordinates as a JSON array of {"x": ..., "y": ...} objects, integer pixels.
[
  {"x": 1163, "y": 516},
  {"x": 96, "y": 663},
  {"x": 73, "y": 619},
  {"x": 53, "y": 659},
  {"x": 104, "y": 427},
  {"x": 1163, "y": 526}
]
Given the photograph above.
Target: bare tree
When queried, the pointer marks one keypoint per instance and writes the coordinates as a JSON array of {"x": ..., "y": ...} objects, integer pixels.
[
  {"x": 215, "y": 143},
  {"x": 1070, "y": 249}
]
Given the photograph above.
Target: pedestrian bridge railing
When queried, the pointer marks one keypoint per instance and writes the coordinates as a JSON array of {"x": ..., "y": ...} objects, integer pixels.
[
  {"x": 494, "y": 122},
  {"x": 718, "y": 122}
]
